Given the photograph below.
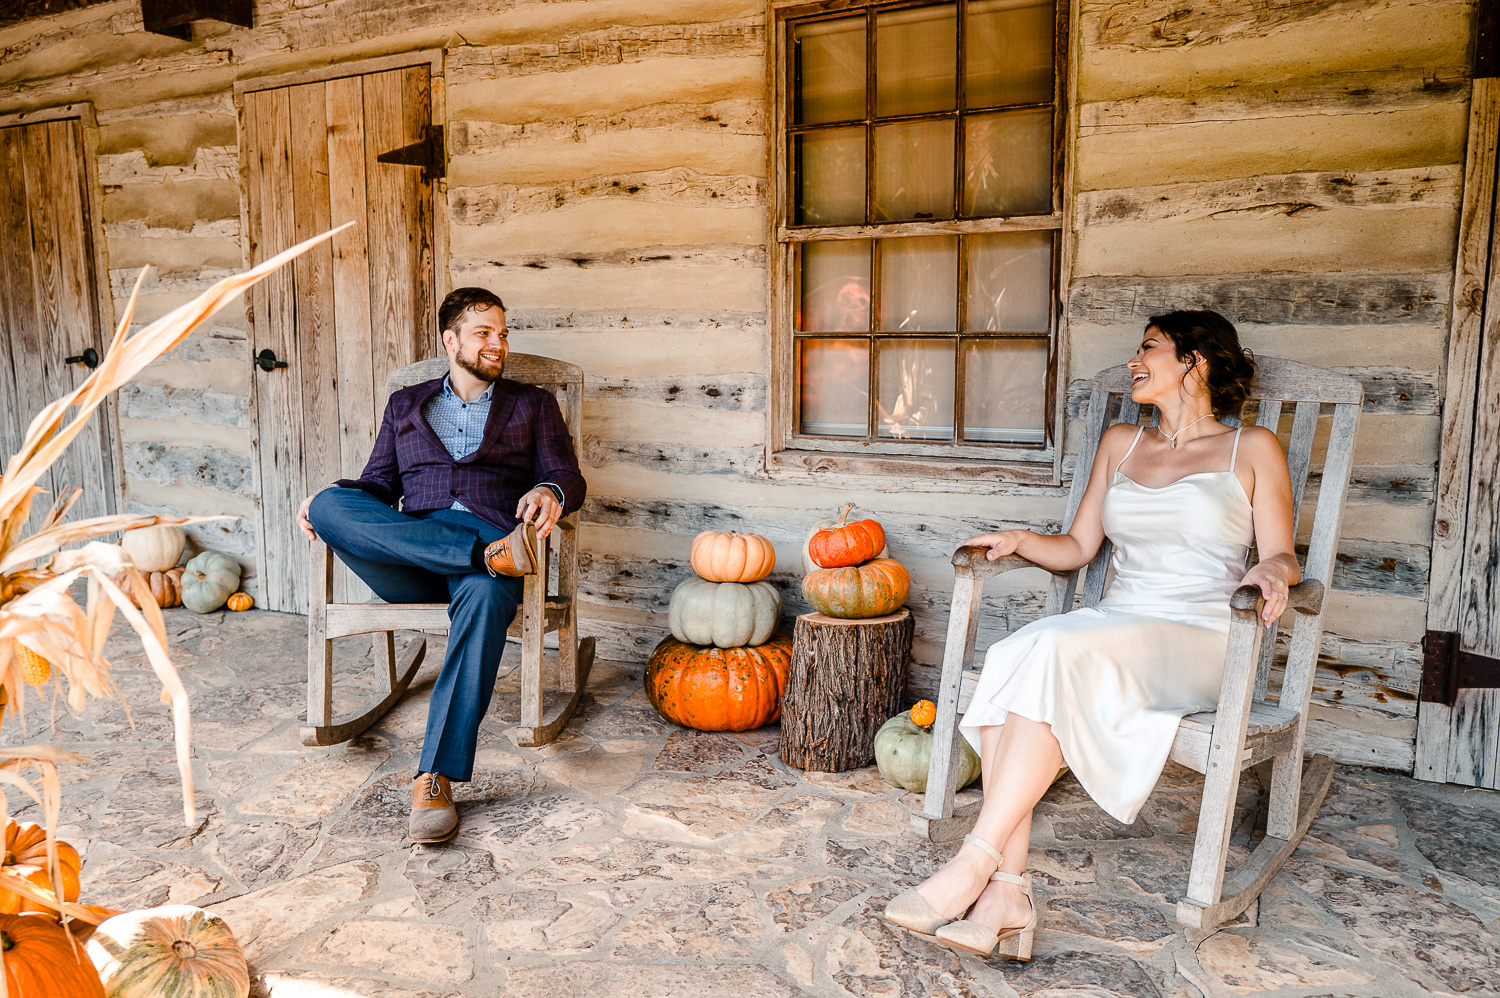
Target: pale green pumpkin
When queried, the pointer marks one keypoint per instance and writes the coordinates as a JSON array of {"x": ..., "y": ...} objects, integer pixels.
[
  {"x": 208, "y": 581},
  {"x": 725, "y": 614},
  {"x": 903, "y": 751},
  {"x": 175, "y": 951}
]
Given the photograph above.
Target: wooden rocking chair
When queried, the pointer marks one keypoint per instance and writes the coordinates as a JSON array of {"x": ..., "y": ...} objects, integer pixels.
[
  {"x": 1247, "y": 729},
  {"x": 541, "y": 611}
]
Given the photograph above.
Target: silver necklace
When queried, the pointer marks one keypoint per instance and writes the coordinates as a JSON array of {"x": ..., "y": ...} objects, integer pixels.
[{"x": 1172, "y": 437}]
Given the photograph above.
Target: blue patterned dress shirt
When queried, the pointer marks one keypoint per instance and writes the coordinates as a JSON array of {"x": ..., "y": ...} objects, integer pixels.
[{"x": 460, "y": 426}]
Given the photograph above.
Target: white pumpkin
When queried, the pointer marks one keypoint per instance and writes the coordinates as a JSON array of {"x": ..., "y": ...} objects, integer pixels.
[
  {"x": 808, "y": 565},
  {"x": 175, "y": 951},
  {"x": 726, "y": 614},
  {"x": 154, "y": 549}
]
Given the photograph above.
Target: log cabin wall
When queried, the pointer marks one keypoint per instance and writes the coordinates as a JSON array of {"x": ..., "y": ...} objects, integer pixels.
[{"x": 1295, "y": 165}]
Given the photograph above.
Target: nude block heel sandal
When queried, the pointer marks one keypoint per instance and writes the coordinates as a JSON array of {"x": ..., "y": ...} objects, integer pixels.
[
  {"x": 911, "y": 912},
  {"x": 972, "y": 937}
]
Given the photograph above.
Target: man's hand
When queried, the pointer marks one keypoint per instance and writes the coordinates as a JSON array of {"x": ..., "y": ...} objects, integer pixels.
[
  {"x": 303, "y": 521},
  {"x": 540, "y": 506}
]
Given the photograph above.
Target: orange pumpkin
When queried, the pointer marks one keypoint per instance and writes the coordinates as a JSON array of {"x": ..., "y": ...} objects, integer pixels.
[
  {"x": 873, "y": 589},
  {"x": 923, "y": 713},
  {"x": 240, "y": 601},
  {"x": 846, "y": 543},
  {"x": 41, "y": 960},
  {"x": 26, "y": 856},
  {"x": 719, "y": 689},
  {"x": 732, "y": 557}
]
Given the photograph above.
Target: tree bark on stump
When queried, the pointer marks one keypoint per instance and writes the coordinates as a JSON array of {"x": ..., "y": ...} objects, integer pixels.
[{"x": 847, "y": 678}]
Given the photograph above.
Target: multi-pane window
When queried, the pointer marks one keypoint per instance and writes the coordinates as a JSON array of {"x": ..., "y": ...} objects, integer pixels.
[{"x": 921, "y": 222}]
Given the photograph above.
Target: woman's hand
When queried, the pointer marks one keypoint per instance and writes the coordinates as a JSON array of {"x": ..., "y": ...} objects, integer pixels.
[
  {"x": 1000, "y": 543},
  {"x": 1273, "y": 580}
]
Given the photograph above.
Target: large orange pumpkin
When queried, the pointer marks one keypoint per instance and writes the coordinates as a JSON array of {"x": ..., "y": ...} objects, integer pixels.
[
  {"x": 41, "y": 961},
  {"x": 26, "y": 856},
  {"x": 846, "y": 543},
  {"x": 873, "y": 589},
  {"x": 732, "y": 557},
  {"x": 719, "y": 689}
]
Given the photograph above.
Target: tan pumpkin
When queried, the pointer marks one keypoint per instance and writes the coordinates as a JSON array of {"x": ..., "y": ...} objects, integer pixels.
[
  {"x": 719, "y": 689},
  {"x": 42, "y": 961},
  {"x": 240, "y": 601},
  {"x": 153, "y": 549},
  {"x": 720, "y": 556},
  {"x": 26, "y": 857},
  {"x": 175, "y": 951},
  {"x": 873, "y": 589}
]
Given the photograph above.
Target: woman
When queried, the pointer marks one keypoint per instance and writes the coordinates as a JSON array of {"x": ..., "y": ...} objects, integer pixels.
[{"x": 1101, "y": 690}]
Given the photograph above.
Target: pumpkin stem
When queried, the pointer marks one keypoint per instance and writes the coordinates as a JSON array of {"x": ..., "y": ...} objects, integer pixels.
[
  {"x": 844, "y": 514},
  {"x": 6, "y": 943},
  {"x": 184, "y": 950}
]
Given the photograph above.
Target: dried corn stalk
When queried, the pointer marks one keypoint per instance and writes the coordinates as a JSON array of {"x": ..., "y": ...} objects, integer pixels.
[{"x": 36, "y": 609}]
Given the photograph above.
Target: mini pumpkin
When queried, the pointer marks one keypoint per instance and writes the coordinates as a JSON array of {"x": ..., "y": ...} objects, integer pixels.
[
  {"x": 923, "y": 713},
  {"x": 808, "y": 565},
  {"x": 153, "y": 549},
  {"x": 844, "y": 543},
  {"x": 175, "y": 951},
  {"x": 720, "y": 556},
  {"x": 873, "y": 589},
  {"x": 41, "y": 959},
  {"x": 211, "y": 578},
  {"x": 719, "y": 689},
  {"x": 726, "y": 614},
  {"x": 240, "y": 601},
  {"x": 903, "y": 753},
  {"x": 26, "y": 857}
]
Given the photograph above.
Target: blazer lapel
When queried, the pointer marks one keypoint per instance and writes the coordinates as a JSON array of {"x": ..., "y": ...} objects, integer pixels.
[
  {"x": 502, "y": 405},
  {"x": 418, "y": 417}
]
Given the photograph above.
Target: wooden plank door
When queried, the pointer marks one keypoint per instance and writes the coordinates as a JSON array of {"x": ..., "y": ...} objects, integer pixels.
[
  {"x": 1458, "y": 717},
  {"x": 346, "y": 314},
  {"x": 51, "y": 304}
]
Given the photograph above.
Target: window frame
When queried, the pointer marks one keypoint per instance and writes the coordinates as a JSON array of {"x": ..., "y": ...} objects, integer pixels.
[{"x": 790, "y": 450}]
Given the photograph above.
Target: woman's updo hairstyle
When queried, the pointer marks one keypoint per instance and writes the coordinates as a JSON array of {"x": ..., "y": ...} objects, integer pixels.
[{"x": 1230, "y": 366}]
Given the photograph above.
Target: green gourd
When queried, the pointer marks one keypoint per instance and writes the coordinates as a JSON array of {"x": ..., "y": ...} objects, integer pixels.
[
  {"x": 903, "y": 751},
  {"x": 209, "y": 581},
  {"x": 726, "y": 614}
]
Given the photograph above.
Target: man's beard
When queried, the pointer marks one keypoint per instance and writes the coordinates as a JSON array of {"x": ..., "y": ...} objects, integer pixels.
[{"x": 478, "y": 368}]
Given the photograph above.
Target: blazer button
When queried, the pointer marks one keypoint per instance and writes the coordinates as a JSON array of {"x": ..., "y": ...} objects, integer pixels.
[{"x": 453, "y": 492}]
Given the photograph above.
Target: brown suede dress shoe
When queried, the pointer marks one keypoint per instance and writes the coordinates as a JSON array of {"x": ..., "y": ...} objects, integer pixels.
[
  {"x": 514, "y": 554},
  {"x": 433, "y": 816}
]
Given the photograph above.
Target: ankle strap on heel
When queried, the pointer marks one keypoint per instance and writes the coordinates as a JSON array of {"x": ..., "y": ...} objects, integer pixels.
[
  {"x": 984, "y": 846},
  {"x": 1008, "y": 878}
]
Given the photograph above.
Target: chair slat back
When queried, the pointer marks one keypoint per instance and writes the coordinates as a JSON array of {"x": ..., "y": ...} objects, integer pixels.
[
  {"x": 1277, "y": 382},
  {"x": 564, "y": 380}
]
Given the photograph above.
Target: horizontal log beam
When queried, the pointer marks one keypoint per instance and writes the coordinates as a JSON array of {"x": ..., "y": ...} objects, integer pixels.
[
  {"x": 494, "y": 203},
  {"x": 730, "y": 392},
  {"x": 1344, "y": 299},
  {"x": 607, "y": 47},
  {"x": 1388, "y": 391},
  {"x": 683, "y": 459},
  {"x": 733, "y": 117},
  {"x": 1152, "y": 25}
]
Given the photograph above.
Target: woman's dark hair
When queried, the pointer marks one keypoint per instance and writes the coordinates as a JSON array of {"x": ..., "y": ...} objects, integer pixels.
[
  {"x": 460, "y": 300},
  {"x": 1230, "y": 366}
]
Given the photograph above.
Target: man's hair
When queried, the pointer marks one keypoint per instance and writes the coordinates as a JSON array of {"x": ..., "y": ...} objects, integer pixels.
[{"x": 460, "y": 300}]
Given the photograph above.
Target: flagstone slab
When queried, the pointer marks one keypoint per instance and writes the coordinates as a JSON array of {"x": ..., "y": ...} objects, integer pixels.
[
  {"x": 421, "y": 951},
  {"x": 538, "y": 822},
  {"x": 1135, "y": 926},
  {"x": 542, "y": 921},
  {"x": 799, "y": 904},
  {"x": 1248, "y": 965},
  {"x": 691, "y": 751},
  {"x": 258, "y": 853},
  {"x": 308, "y": 984},
  {"x": 314, "y": 789},
  {"x": 615, "y": 978},
  {"x": 443, "y": 877},
  {"x": 127, "y": 882},
  {"x": 1083, "y": 972},
  {"x": 599, "y": 775},
  {"x": 718, "y": 921},
  {"x": 636, "y": 860},
  {"x": 268, "y": 918},
  {"x": 793, "y": 829},
  {"x": 1455, "y": 837}
]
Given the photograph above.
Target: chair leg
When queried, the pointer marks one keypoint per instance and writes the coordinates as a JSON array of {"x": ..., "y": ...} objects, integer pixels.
[
  {"x": 938, "y": 822},
  {"x": 385, "y": 650},
  {"x": 531, "y": 652}
]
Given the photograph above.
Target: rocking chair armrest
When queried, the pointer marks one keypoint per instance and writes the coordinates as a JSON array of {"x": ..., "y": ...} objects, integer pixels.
[
  {"x": 972, "y": 558},
  {"x": 1305, "y": 597}
]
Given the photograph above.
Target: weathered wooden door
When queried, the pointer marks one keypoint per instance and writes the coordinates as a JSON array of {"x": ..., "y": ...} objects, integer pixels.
[
  {"x": 51, "y": 305},
  {"x": 1458, "y": 718},
  {"x": 315, "y": 155}
]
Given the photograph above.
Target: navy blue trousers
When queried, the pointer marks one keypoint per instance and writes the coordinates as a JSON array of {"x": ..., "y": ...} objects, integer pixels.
[{"x": 429, "y": 558}]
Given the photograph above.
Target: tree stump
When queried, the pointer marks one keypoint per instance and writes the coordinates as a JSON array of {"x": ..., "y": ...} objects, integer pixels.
[{"x": 847, "y": 678}]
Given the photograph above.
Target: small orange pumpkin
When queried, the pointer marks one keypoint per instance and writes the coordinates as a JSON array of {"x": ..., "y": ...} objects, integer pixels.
[
  {"x": 923, "y": 713},
  {"x": 720, "y": 556},
  {"x": 873, "y": 589},
  {"x": 240, "y": 601},
  {"x": 719, "y": 689},
  {"x": 42, "y": 960},
  {"x": 26, "y": 856},
  {"x": 846, "y": 543}
]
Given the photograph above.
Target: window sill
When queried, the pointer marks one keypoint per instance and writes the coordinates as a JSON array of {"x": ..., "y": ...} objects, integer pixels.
[{"x": 903, "y": 469}]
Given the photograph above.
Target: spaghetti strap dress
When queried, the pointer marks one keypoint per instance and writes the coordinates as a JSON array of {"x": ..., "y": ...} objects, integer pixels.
[{"x": 1114, "y": 679}]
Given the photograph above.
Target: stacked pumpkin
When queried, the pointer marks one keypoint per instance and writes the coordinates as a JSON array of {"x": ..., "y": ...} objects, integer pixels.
[
  {"x": 725, "y": 665},
  {"x": 848, "y": 573},
  {"x": 175, "y": 950},
  {"x": 208, "y": 581}
]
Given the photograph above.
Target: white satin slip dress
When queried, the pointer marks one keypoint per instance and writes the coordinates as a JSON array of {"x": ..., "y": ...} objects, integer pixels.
[{"x": 1114, "y": 679}]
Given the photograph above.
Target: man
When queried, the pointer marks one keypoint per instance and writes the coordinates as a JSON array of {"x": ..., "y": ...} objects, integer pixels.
[{"x": 483, "y": 468}]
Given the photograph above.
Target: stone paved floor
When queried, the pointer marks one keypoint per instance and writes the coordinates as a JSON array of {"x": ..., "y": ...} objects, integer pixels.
[{"x": 633, "y": 857}]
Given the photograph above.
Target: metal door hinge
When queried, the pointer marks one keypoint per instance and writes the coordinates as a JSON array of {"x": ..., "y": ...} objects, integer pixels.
[
  {"x": 428, "y": 154},
  {"x": 176, "y": 17},
  {"x": 1447, "y": 668}
]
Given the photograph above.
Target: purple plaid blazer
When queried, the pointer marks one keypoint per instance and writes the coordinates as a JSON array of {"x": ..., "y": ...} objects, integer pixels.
[{"x": 525, "y": 443}]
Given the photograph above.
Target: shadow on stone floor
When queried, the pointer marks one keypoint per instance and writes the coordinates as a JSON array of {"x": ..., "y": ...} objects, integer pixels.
[{"x": 633, "y": 857}]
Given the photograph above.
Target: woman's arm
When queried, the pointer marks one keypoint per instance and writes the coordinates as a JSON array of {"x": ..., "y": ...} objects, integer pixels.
[
  {"x": 1271, "y": 508},
  {"x": 1077, "y": 547}
]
